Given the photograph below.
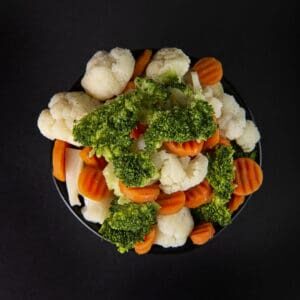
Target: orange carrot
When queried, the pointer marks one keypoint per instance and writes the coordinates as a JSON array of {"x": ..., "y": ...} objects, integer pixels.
[
  {"x": 248, "y": 176},
  {"x": 202, "y": 233},
  {"x": 138, "y": 130},
  {"x": 235, "y": 202},
  {"x": 142, "y": 62},
  {"x": 93, "y": 161},
  {"x": 145, "y": 246},
  {"x": 212, "y": 141},
  {"x": 224, "y": 141},
  {"x": 198, "y": 195},
  {"x": 170, "y": 203},
  {"x": 58, "y": 160},
  {"x": 92, "y": 184},
  {"x": 209, "y": 70},
  {"x": 130, "y": 86},
  {"x": 140, "y": 194},
  {"x": 191, "y": 148}
]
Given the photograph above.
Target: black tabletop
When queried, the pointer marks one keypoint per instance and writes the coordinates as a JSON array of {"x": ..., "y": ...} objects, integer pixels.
[{"x": 45, "y": 253}]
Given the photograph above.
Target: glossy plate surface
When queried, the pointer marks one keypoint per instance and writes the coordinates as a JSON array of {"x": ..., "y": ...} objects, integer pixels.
[{"x": 76, "y": 211}]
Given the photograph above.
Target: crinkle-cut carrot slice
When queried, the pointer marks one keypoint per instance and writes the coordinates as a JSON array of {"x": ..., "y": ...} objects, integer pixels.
[
  {"x": 224, "y": 141},
  {"x": 145, "y": 246},
  {"x": 171, "y": 203},
  {"x": 202, "y": 233},
  {"x": 209, "y": 70},
  {"x": 211, "y": 142},
  {"x": 198, "y": 195},
  {"x": 142, "y": 62},
  {"x": 92, "y": 184},
  {"x": 58, "y": 160},
  {"x": 140, "y": 194},
  {"x": 93, "y": 161},
  {"x": 191, "y": 148},
  {"x": 248, "y": 176},
  {"x": 235, "y": 202}
]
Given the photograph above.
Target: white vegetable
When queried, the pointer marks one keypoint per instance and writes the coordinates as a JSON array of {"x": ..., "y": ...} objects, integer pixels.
[
  {"x": 96, "y": 211},
  {"x": 73, "y": 165},
  {"x": 249, "y": 138},
  {"x": 179, "y": 174},
  {"x": 216, "y": 105},
  {"x": 173, "y": 230},
  {"x": 107, "y": 74},
  {"x": 233, "y": 119},
  {"x": 215, "y": 90},
  {"x": 111, "y": 179},
  {"x": 168, "y": 60},
  {"x": 65, "y": 108}
]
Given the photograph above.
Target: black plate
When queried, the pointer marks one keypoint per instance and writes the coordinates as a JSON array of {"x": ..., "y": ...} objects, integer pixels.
[{"x": 76, "y": 211}]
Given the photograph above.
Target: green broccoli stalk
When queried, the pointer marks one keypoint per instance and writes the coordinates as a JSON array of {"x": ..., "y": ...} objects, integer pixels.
[
  {"x": 221, "y": 171},
  {"x": 216, "y": 212},
  {"x": 128, "y": 224}
]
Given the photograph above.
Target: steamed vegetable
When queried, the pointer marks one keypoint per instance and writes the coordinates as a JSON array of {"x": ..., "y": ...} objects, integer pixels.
[
  {"x": 170, "y": 203},
  {"x": 191, "y": 148},
  {"x": 215, "y": 212},
  {"x": 198, "y": 195},
  {"x": 58, "y": 160},
  {"x": 128, "y": 224},
  {"x": 221, "y": 171},
  {"x": 202, "y": 233},
  {"x": 145, "y": 246}
]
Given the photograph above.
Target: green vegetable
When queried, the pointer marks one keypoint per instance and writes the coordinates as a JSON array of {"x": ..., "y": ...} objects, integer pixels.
[
  {"x": 221, "y": 171},
  {"x": 171, "y": 116},
  {"x": 128, "y": 224},
  {"x": 180, "y": 124},
  {"x": 215, "y": 212},
  {"x": 238, "y": 152}
]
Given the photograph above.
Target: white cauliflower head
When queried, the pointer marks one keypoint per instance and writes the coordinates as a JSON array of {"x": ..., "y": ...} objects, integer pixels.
[
  {"x": 168, "y": 60},
  {"x": 111, "y": 179},
  {"x": 249, "y": 138},
  {"x": 215, "y": 90},
  {"x": 173, "y": 230},
  {"x": 179, "y": 174},
  {"x": 96, "y": 211},
  {"x": 107, "y": 74},
  {"x": 233, "y": 118},
  {"x": 57, "y": 121}
]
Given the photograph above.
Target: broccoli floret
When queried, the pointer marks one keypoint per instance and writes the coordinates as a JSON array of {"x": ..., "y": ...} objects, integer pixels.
[
  {"x": 221, "y": 171},
  {"x": 135, "y": 169},
  {"x": 238, "y": 152},
  {"x": 215, "y": 212},
  {"x": 180, "y": 124},
  {"x": 128, "y": 224}
]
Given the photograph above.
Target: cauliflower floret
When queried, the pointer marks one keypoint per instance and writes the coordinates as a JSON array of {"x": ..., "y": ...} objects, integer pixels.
[
  {"x": 112, "y": 180},
  {"x": 216, "y": 105},
  {"x": 168, "y": 60},
  {"x": 233, "y": 118},
  {"x": 57, "y": 121},
  {"x": 96, "y": 211},
  {"x": 215, "y": 90},
  {"x": 173, "y": 230},
  {"x": 107, "y": 74},
  {"x": 249, "y": 138},
  {"x": 179, "y": 174}
]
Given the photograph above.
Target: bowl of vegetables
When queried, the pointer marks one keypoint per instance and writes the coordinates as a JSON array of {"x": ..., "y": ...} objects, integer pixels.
[{"x": 153, "y": 150}]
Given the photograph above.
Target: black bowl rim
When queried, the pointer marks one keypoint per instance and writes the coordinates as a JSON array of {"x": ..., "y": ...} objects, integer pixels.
[{"x": 188, "y": 246}]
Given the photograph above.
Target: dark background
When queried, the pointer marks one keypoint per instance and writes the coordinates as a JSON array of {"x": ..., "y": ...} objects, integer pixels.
[{"x": 45, "y": 253}]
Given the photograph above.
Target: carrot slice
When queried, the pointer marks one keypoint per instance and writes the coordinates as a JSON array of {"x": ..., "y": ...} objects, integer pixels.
[
  {"x": 145, "y": 246},
  {"x": 198, "y": 195},
  {"x": 202, "y": 233},
  {"x": 248, "y": 176},
  {"x": 209, "y": 70},
  {"x": 58, "y": 160},
  {"x": 140, "y": 194},
  {"x": 130, "y": 86},
  {"x": 92, "y": 184},
  {"x": 191, "y": 148},
  {"x": 170, "y": 203},
  {"x": 224, "y": 141},
  {"x": 212, "y": 141},
  {"x": 142, "y": 62},
  {"x": 235, "y": 202},
  {"x": 138, "y": 131},
  {"x": 93, "y": 161}
]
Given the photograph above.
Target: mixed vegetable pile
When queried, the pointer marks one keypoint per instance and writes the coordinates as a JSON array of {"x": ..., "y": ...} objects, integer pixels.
[{"x": 156, "y": 149}]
